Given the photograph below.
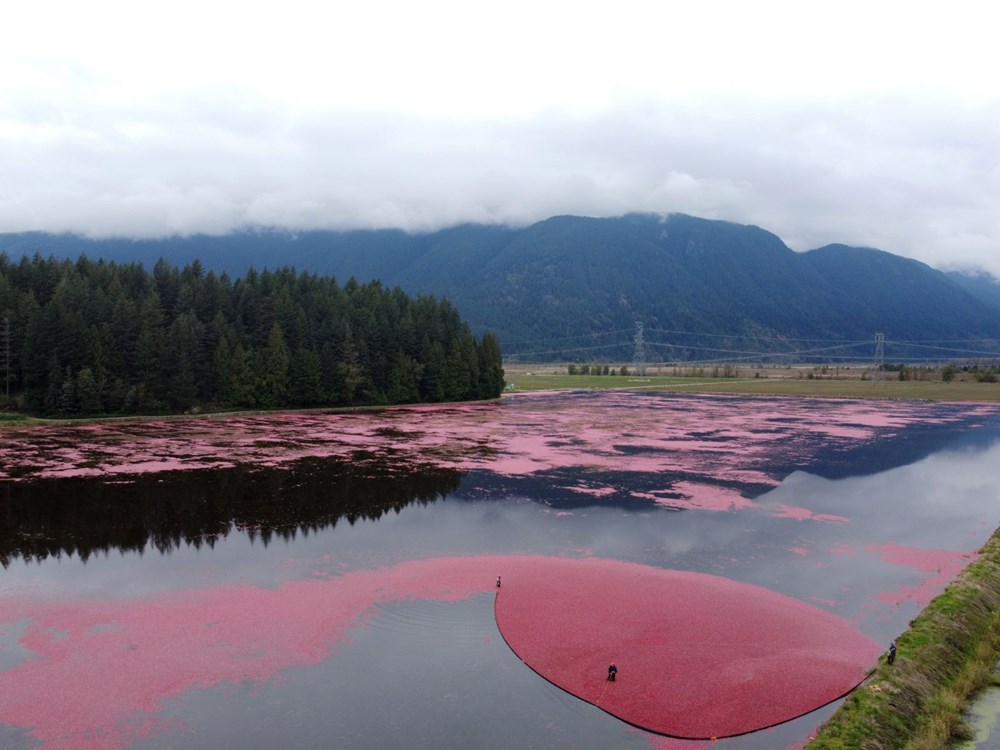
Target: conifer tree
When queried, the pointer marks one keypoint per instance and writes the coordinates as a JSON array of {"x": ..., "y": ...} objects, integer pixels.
[{"x": 98, "y": 337}]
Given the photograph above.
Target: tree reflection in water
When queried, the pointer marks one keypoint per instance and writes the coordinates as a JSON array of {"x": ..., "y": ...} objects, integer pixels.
[{"x": 83, "y": 517}]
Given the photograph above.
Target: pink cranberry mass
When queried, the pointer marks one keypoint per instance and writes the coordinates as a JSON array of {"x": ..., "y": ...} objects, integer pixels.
[
  {"x": 698, "y": 656},
  {"x": 727, "y": 438}
]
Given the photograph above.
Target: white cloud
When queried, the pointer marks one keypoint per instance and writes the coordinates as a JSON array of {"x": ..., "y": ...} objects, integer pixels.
[{"x": 873, "y": 124}]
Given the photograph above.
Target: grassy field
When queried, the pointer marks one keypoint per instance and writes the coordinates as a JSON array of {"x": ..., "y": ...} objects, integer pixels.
[
  {"x": 783, "y": 382},
  {"x": 12, "y": 419},
  {"x": 762, "y": 381}
]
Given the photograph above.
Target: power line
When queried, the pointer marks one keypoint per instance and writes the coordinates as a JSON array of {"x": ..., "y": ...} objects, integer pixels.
[
  {"x": 540, "y": 352},
  {"x": 738, "y": 337},
  {"x": 786, "y": 352},
  {"x": 767, "y": 348},
  {"x": 617, "y": 332},
  {"x": 733, "y": 354},
  {"x": 974, "y": 352},
  {"x": 677, "y": 332}
]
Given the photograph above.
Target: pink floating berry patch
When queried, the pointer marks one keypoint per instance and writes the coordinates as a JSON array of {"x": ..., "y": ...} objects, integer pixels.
[{"x": 697, "y": 656}]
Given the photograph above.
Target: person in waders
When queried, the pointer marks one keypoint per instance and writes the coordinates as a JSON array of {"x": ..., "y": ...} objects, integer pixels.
[{"x": 612, "y": 672}]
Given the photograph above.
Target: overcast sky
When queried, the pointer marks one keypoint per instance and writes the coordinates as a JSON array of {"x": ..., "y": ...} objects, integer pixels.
[{"x": 868, "y": 123}]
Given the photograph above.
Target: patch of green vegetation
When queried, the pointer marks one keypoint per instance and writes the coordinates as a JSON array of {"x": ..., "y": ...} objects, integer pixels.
[
  {"x": 832, "y": 388},
  {"x": 550, "y": 382},
  {"x": 10, "y": 418},
  {"x": 946, "y": 657}
]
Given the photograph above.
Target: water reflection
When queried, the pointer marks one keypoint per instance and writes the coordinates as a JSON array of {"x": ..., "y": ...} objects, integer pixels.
[
  {"x": 423, "y": 676},
  {"x": 167, "y": 510},
  {"x": 82, "y": 517}
]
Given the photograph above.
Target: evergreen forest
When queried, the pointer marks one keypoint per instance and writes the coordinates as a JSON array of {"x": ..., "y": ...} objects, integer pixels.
[{"x": 100, "y": 337}]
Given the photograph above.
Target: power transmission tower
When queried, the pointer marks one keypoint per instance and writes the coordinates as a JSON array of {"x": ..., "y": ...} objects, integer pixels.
[
  {"x": 639, "y": 356},
  {"x": 6, "y": 355},
  {"x": 878, "y": 371}
]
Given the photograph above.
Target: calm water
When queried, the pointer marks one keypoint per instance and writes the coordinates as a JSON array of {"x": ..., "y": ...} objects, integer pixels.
[{"x": 864, "y": 510}]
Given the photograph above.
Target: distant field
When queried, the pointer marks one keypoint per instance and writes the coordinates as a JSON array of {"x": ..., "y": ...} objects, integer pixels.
[
  {"x": 772, "y": 382},
  {"x": 785, "y": 382}
]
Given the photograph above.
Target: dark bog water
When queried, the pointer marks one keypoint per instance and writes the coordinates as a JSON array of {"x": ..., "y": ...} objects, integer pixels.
[{"x": 263, "y": 581}]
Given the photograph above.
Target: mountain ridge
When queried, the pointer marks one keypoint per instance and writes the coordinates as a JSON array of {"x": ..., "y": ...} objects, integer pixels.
[{"x": 572, "y": 276}]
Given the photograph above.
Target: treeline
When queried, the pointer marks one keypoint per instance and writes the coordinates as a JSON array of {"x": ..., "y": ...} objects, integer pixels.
[
  {"x": 95, "y": 337},
  {"x": 574, "y": 369}
]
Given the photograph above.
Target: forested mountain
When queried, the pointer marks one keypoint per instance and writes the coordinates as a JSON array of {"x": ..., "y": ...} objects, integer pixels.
[
  {"x": 983, "y": 286},
  {"x": 573, "y": 279},
  {"x": 96, "y": 337}
]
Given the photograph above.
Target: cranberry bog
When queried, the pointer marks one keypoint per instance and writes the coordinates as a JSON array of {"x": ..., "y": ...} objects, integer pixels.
[{"x": 327, "y": 579}]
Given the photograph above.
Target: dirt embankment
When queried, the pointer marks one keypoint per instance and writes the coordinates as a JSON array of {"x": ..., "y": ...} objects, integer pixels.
[{"x": 947, "y": 656}]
